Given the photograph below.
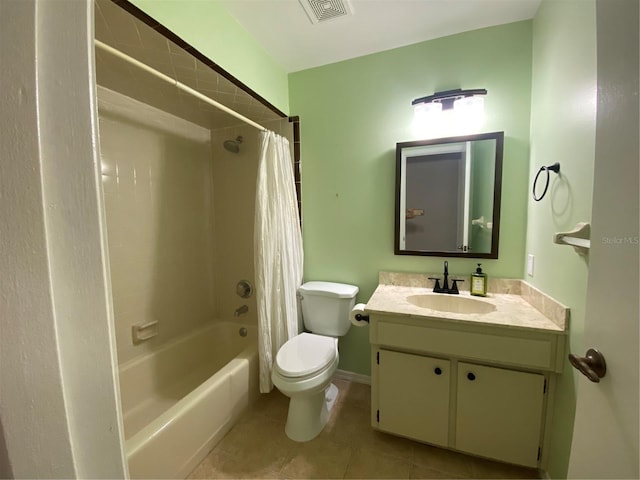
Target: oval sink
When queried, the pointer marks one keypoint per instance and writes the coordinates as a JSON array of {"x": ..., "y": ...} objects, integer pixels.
[{"x": 451, "y": 304}]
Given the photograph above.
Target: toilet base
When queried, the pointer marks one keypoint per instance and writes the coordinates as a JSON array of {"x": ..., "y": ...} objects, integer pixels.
[{"x": 308, "y": 414}]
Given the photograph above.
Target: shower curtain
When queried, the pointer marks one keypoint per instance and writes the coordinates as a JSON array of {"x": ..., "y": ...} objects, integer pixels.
[{"x": 277, "y": 252}]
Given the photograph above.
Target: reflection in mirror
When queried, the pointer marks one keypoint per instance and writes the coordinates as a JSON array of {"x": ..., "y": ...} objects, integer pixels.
[{"x": 448, "y": 196}]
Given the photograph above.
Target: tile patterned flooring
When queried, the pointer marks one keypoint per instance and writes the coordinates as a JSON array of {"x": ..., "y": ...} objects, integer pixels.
[{"x": 257, "y": 447}]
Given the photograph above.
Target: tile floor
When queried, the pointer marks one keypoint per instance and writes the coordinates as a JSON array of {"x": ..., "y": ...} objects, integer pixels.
[{"x": 257, "y": 447}]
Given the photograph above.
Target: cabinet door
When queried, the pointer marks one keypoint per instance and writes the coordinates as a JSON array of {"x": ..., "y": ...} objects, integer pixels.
[
  {"x": 413, "y": 396},
  {"x": 499, "y": 413}
]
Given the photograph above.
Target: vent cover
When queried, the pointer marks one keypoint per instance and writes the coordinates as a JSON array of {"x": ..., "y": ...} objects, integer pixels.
[{"x": 323, "y": 10}]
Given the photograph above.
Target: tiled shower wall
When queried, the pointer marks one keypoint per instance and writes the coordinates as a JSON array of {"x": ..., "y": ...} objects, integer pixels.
[
  {"x": 180, "y": 213},
  {"x": 158, "y": 196},
  {"x": 234, "y": 181}
]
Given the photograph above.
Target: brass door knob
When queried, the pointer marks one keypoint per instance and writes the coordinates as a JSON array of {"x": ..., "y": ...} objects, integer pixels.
[{"x": 592, "y": 366}]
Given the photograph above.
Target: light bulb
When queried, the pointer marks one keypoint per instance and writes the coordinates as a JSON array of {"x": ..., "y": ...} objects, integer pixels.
[
  {"x": 469, "y": 113},
  {"x": 426, "y": 117}
]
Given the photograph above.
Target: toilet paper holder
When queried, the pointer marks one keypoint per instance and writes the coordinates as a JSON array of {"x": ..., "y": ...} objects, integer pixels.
[{"x": 358, "y": 315}]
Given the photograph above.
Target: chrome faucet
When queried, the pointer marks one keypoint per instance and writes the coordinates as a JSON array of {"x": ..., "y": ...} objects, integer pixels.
[
  {"x": 240, "y": 310},
  {"x": 445, "y": 284}
]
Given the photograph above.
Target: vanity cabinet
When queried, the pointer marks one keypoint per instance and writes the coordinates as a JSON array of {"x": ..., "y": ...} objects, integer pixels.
[
  {"x": 419, "y": 385},
  {"x": 499, "y": 413},
  {"x": 475, "y": 389}
]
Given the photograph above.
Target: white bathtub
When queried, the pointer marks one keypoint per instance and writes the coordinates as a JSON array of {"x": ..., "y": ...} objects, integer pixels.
[{"x": 179, "y": 401}]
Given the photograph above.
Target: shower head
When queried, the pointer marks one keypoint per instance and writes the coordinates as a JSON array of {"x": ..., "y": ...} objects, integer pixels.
[{"x": 233, "y": 146}]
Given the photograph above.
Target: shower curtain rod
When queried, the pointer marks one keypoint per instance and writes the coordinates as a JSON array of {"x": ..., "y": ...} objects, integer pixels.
[{"x": 178, "y": 84}]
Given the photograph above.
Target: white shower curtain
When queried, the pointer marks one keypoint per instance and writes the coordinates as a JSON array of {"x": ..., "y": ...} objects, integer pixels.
[{"x": 277, "y": 252}]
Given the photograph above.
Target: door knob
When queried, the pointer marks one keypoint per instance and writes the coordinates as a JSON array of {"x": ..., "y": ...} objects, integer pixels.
[{"x": 592, "y": 366}]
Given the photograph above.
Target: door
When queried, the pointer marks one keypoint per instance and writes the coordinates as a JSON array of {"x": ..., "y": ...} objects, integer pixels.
[
  {"x": 605, "y": 437},
  {"x": 435, "y": 225},
  {"x": 414, "y": 396},
  {"x": 499, "y": 413}
]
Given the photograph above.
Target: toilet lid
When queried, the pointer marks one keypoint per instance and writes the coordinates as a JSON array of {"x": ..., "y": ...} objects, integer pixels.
[{"x": 305, "y": 354}]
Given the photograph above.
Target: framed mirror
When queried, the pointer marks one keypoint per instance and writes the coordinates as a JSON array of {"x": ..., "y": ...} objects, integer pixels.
[{"x": 448, "y": 196}]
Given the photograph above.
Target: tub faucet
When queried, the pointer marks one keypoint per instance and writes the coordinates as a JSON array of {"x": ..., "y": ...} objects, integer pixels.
[{"x": 240, "y": 310}]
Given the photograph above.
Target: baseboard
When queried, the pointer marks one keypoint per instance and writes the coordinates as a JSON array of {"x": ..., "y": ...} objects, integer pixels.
[{"x": 352, "y": 377}]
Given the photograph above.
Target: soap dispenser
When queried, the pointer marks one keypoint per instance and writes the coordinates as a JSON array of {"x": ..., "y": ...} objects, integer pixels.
[{"x": 479, "y": 283}]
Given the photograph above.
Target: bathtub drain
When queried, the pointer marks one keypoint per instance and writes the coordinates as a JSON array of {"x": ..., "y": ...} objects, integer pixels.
[{"x": 243, "y": 332}]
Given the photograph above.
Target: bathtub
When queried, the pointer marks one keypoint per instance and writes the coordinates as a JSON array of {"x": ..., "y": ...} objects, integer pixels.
[{"x": 180, "y": 400}]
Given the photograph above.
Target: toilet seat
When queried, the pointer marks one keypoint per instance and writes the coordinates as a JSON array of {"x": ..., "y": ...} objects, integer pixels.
[{"x": 306, "y": 354}]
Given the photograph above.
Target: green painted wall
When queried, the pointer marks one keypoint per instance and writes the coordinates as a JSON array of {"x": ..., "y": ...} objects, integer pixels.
[
  {"x": 563, "y": 130},
  {"x": 209, "y": 28},
  {"x": 353, "y": 113}
]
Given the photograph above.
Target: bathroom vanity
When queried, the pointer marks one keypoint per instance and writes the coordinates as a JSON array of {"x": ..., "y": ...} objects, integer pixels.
[{"x": 471, "y": 374}]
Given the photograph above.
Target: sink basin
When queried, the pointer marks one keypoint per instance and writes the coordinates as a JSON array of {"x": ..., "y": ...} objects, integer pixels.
[{"x": 451, "y": 303}]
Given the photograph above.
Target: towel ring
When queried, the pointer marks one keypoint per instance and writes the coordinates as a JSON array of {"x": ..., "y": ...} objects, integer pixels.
[{"x": 554, "y": 168}]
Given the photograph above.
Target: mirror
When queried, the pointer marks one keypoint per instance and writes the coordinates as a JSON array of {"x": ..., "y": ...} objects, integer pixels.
[{"x": 448, "y": 196}]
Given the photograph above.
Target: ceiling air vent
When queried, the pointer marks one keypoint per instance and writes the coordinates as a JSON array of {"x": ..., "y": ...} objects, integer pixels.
[{"x": 323, "y": 10}]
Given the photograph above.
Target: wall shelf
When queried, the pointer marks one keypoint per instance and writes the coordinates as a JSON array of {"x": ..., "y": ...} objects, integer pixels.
[{"x": 579, "y": 238}]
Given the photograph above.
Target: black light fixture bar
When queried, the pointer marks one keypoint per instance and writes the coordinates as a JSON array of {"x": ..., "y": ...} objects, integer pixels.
[{"x": 447, "y": 97}]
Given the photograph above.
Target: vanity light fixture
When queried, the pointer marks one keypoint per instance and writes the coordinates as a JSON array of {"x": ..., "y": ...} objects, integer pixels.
[
  {"x": 448, "y": 98},
  {"x": 433, "y": 112}
]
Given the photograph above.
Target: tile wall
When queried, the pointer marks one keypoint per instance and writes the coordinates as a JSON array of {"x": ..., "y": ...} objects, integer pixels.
[
  {"x": 158, "y": 197},
  {"x": 180, "y": 212},
  {"x": 234, "y": 180}
]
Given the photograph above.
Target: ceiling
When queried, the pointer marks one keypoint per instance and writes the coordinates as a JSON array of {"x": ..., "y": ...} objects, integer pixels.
[
  {"x": 373, "y": 26},
  {"x": 284, "y": 30}
]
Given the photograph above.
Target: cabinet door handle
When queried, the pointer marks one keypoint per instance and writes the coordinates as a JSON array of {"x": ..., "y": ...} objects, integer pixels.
[
  {"x": 471, "y": 376},
  {"x": 438, "y": 371}
]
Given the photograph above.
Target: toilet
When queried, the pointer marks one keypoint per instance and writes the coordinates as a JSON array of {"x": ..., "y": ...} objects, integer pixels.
[{"x": 305, "y": 364}]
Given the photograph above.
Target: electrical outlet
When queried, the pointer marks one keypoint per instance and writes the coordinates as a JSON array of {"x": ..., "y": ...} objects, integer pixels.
[{"x": 530, "y": 262}]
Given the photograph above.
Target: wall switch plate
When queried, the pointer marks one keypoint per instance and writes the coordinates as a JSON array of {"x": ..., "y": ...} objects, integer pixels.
[{"x": 530, "y": 262}]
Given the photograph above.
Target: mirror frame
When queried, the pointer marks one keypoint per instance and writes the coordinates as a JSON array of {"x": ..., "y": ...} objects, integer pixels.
[{"x": 497, "y": 191}]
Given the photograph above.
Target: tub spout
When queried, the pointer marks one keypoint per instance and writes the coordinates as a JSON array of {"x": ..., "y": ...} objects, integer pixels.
[{"x": 240, "y": 310}]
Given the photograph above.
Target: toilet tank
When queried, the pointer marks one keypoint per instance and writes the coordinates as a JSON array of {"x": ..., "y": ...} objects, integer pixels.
[{"x": 326, "y": 307}]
